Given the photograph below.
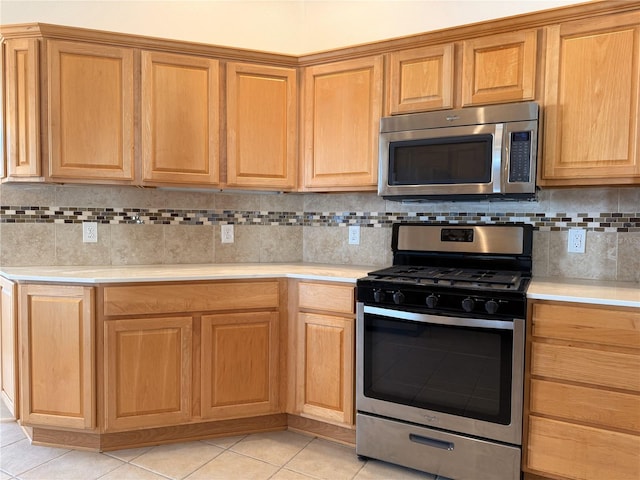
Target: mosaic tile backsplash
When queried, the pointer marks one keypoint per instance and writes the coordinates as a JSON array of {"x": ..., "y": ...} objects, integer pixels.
[{"x": 41, "y": 224}]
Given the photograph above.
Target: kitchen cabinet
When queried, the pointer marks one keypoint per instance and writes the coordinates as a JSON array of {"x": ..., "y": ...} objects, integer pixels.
[
  {"x": 261, "y": 125},
  {"x": 180, "y": 119},
  {"x": 342, "y": 107},
  {"x": 325, "y": 352},
  {"x": 592, "y": 104},
  {"x": 9, "y": 346},
  {"x": 57, "y": 362},
  {"x": 583, "y": 414}
]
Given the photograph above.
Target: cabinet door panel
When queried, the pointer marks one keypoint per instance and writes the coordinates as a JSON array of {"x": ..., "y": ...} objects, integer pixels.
[
  {"x": 91, "y": 111},
  {"x": 261, "y": 126},
  {"x": 180, "y": 119},
  {"x": 240, "y": 355},
  {"x": 57, "y": 362},
  {"x": 148, "y": 372}
]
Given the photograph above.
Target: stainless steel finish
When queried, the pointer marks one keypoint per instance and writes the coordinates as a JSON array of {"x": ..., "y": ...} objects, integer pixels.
[
  {"x": 511, "y": 433},
  {"x": 450, "y": 455},
  {"x": 439, "y": 319},
  {"x": 487, "y": 239},
  {"x": 496, "y": 159}
]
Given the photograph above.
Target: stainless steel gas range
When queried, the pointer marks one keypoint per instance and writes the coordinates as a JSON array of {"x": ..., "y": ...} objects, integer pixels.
[{"x": 440, "y": 351}]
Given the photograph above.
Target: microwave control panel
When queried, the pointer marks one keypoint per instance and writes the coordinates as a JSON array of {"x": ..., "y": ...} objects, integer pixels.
[{"x": 519, "y": 157}]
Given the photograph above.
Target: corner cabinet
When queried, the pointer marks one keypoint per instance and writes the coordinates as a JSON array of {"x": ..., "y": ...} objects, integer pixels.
[
  {"x": 592, "y": 102},
  {"x": 57, "y": 356},
  {"x": 342, "y": 107},
  {"x": 262, "y": 113},
  {"x": 582, "y": 420}
]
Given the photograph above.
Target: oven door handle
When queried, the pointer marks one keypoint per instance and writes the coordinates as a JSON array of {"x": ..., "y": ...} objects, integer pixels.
[{"x": 440, "y": 320}]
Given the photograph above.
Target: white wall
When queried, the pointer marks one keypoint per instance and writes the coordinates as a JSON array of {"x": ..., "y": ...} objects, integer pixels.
[{"x": 284, "y": 26}]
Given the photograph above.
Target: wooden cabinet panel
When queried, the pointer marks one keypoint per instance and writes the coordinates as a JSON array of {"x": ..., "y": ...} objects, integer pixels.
[
  {"x": 91, "y": 120},
  {"x": 261, "y": 126},
  {"x": 240, "y": 364},
  {"x": 588, "y": 324},
  {"x": 327, "y": 297},
  {"x": 421, "y": 79},
  {"x": 342, "y": 110},
  {"x": 325, "y": 367},
  {"x": 180, "y": 119},
  {"x": 147, "y": 372},
  {"x": 580, "y": 452},
  {"x": 592, "y": 107},
  {"x": 9, "y": 346},
  {"x": 57, "y": 356},
  {"x": 499, "y": 68},
  {"x": 182, "y": 298},
  {"x": 22, "y": 108}
]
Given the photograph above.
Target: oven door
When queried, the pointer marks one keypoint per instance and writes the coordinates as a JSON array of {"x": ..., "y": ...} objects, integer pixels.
[{"x": 458, "y": 374}]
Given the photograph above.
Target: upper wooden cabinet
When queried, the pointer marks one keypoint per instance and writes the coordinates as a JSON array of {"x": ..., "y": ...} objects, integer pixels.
[
  {"x": 261, "y": 126},
  {"x": 499, "y": 68},
  {"x": 180, "y": 119},
  {"x": 342, "y": 109},
  {"x": 592, "y": 102},
  {"x": 421, "y": 79}
]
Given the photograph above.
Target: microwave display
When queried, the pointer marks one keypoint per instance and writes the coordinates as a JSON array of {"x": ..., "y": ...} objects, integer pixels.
[{"x": 450, "y": 160}]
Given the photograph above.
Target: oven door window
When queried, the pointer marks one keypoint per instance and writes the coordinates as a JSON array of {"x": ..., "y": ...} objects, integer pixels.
[
  {"x": 462, "y": 371},
  {"x": 452, "y": 160}
]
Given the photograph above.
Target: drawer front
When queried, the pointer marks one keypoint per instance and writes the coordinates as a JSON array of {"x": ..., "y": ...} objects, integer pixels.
[
  {"x": 584, "y": 453},
  {"x": 184, "y": 298},
  {"x": 584, "y": 365},
  {"x": 607, "y": 326},
  {"x": 326, "y": 297},
  {"x": 589, "y": 405}
]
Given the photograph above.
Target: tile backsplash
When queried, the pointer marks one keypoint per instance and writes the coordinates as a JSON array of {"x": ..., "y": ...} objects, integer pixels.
[{"x": 42, "y": 225}]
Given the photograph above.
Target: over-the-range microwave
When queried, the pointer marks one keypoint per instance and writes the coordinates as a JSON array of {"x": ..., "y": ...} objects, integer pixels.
[{"x": 469, "y": 153}]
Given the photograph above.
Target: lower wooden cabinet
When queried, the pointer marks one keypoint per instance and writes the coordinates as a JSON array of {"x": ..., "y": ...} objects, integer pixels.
[
  {"x": 57, "y": 348},
  {"x": 9, "y": 346},
  {"x": 325, "y": 352},
  {"x": 583, "y": 418}
]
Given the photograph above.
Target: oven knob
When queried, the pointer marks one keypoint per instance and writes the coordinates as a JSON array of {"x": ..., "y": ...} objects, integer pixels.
[
  {"x": 468, "y": 304},
  {"x": 432, "y": 301},
  {"x": 378, "y": 296},
  {"x": 491, "y": 306},
  {"x": 398, "y": 297}
]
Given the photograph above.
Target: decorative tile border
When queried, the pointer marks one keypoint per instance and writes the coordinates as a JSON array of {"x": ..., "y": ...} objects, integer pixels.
[{"x": 598, "y": 222}]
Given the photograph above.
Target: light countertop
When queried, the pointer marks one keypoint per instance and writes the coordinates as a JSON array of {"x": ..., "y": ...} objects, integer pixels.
[{"x": 600, "y": 292}]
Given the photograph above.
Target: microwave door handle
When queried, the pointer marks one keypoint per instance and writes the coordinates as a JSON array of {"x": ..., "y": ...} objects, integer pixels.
[
  {"x": 440, "y": 320},
  {"x": 496, "y": 158}
]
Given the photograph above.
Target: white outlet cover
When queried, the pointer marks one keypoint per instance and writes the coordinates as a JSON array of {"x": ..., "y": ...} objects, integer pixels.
[
  {"x": 354, "y": 234},
  {"x": 576, "y": 240},
  {"x": 226, "y": 233},
  {"x": 89, "y": 232}
]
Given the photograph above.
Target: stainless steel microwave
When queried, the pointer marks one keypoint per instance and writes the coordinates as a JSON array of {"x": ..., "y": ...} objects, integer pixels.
[{"x": 476, "y": 152}]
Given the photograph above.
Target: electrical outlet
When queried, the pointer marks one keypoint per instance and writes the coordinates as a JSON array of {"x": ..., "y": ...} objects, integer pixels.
[
  {"x": 577, "y": 240},
  {"x": 89, "y": 232},
  {"x": 226, "y": 233},
  {"x": 354, "y": 234}
]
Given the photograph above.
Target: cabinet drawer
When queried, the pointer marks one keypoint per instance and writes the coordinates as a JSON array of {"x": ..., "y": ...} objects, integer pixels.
[
  {"x": 183, "y": 298},
  {"x": 579, "y": 452},
  {"x": 326, "y": 297},
  {"x": 608, "y": 326},
  {"x": 590, "y": 405},
  {"x": 584, "y": 365}
]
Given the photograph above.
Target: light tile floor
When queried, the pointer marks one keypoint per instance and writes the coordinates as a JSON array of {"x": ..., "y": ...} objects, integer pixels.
[{"x": 277, "y": 456}]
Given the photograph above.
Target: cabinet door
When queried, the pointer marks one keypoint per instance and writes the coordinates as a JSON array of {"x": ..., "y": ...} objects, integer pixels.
[
  {"x": 9, "y": 345},
  {"x": 591, "y": 102},
  {"x": 180, "y": 119},
  {"x": 57, "y": 356},
  {"x": 240, "y": 362},
  {"x": 147, "y": 372},
  {"x": 326, "y": 367},
  {"x": 421, "y": 79},
  {"x": 91, "y": 120},
  {"x": 342, "y": 110},
  {"x": 261, "y": 126},
  {"x": 499, "y": 68},
  {"x": 22, "y": 108}
]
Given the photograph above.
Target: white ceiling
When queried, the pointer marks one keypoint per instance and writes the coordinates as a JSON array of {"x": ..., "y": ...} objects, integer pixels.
[{"x": 284, "y": 26}]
